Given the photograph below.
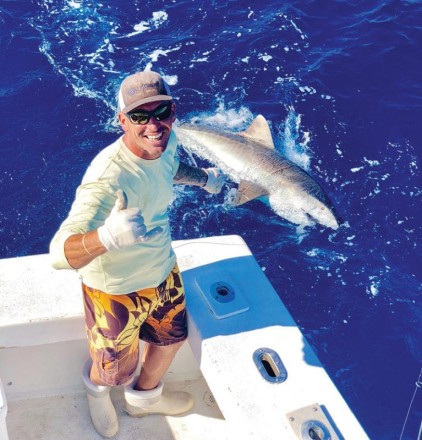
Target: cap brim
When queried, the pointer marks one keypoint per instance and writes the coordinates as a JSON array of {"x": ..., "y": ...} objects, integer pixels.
[{"x": 143, "y": 101}]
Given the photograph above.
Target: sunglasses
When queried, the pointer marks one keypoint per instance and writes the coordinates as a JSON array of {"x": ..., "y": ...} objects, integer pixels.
[{"x": 142, "y": 117}]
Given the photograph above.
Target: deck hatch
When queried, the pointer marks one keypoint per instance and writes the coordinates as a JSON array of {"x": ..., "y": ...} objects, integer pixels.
[
  {"x": 223, "y": 295},
  {"x": 311, "y": 423}
]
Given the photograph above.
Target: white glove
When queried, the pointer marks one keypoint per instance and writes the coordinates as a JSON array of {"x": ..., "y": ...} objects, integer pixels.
[
  {"x": 124, "y": 226},
  {"x": 215, "y": 180}
]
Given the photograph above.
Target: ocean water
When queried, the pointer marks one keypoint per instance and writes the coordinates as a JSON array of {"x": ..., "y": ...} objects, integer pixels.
[{"x": 339, "y": 83}]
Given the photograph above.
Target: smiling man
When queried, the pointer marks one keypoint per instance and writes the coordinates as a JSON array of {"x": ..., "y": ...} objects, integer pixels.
[{"x": 117, "y": 235}]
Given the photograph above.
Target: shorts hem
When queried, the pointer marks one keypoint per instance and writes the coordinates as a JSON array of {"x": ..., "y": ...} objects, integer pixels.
[{"x": 163, "y": 344}]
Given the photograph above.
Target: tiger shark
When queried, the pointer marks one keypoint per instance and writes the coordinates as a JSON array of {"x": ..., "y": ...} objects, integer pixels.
[{"x": 250, "y": 159}]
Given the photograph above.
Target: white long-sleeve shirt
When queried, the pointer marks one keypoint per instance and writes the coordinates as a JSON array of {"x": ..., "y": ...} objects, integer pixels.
[{"x": 148, "y": 185}]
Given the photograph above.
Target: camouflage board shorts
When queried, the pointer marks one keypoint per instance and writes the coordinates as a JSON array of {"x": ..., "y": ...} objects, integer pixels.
[{"x": 115, "y": 323}]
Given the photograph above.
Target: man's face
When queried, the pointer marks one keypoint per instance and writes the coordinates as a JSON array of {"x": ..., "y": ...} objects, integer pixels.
[{"x": 148, "y": 141}]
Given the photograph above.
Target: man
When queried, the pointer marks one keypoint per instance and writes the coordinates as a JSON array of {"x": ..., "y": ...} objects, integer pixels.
[{"x": 117, "y": 236}]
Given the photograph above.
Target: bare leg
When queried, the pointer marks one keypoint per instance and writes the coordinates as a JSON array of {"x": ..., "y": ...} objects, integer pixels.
[{"x": 155, "y": 362}]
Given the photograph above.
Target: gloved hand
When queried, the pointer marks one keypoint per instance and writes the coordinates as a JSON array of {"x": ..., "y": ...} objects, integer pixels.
[
  {"x": 124, "y": 226},
  {"x": 215, "y": 180}
]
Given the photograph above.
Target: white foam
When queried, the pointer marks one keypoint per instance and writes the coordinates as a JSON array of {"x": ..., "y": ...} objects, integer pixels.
[
  {"x": 372, "y": 163},
  {"x": 200, "y": 60},
  {"x": 74, "y": 4},
  {"x": 373, "y": 288},
  {"x": 171, "y": 80},
  {"x": 157, "y": 20},
  {"x": 265, "y": 57},
  {"x": 295, "y": 26},
  {"x": 161, "y": 52},
  {"x": 307, "y": 89}
]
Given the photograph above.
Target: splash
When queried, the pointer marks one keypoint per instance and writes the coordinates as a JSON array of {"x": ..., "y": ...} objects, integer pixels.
[
  {"x": 230, "y": 119},
  {"x": 295, "y": 141}
]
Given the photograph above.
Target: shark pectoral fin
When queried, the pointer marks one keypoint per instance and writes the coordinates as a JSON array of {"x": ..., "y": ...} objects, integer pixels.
[{"x": 248, "y": 191}]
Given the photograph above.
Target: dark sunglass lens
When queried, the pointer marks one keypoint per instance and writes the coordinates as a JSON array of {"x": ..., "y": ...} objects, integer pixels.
[
  {"x": 162, "y": 112},
  {"x": 139, "y": 118}
]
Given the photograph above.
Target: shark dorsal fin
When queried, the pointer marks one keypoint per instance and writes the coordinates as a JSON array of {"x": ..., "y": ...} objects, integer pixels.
[{"x": 260, "y": 131}]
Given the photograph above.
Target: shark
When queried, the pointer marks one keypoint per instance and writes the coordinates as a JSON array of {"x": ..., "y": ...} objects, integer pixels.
[{"x": 250, "y": 159}]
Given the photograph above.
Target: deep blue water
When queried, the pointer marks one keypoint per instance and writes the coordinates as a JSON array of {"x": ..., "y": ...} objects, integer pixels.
[{"x": 340, "y": 85}]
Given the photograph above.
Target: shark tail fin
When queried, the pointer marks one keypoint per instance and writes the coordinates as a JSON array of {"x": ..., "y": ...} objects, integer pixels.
[{"x": 248, "y": 191}]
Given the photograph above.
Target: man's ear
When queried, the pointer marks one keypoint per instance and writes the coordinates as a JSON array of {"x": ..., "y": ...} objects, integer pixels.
[{"x": 124, "y": 121}]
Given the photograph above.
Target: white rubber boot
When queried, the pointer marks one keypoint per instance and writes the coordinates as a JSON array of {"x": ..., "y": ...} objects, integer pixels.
[
  {"x": 143, "y": 403},
  {"x": 101, "y": 408}
]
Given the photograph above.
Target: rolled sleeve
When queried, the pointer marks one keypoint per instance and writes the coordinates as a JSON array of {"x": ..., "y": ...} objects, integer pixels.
[{"x": 57, "y": 256}]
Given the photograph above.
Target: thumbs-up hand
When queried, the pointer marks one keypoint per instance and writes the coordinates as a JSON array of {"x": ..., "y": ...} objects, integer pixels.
[{"x": 124, "y": 226}]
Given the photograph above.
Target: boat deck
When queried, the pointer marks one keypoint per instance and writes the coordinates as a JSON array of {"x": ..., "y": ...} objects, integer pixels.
[{"x": 66, "y": 417}]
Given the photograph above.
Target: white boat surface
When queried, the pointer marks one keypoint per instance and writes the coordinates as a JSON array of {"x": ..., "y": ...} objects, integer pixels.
[{"x": 249, "y": 367}]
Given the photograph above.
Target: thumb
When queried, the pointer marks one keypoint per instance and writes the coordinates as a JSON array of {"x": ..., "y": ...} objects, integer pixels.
[{"x": 121, "y": 202}]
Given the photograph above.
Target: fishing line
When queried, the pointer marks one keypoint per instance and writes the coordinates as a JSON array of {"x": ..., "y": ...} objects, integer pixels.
[{"x": 418, "y": 385}]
